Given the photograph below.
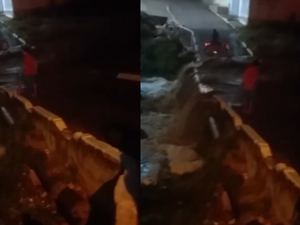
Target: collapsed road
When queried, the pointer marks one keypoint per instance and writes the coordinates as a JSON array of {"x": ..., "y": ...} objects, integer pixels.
[
  {"x": 277, "y": 93},
  {"x": 193, "y": 161},
  {"x": 54, "y": 175}
]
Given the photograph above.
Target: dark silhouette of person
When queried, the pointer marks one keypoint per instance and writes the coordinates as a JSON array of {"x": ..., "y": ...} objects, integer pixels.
[
  {"x": 28, "y": 76},
  {"x": 250, "y": 77},
  {"x": 215, "y": 37}
]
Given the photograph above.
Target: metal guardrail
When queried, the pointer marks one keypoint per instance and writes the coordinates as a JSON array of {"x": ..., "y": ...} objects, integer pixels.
[{"x": 202, "y": 88}]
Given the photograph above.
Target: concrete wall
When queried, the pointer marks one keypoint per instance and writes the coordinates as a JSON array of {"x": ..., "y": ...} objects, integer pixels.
[
  {"x": 97, "y": 162},
  {"x": 267, "y": 182},
  {"x": 263, "y": 186},
  {"x": 274, "y": 10},
  {"x": 234, "y": 7},
  {"x": 257, "y": 11},
  {"x": 7, "y": 8},
  {"x": 244, "y": 11},
  {"x": 222, "y": 3}
]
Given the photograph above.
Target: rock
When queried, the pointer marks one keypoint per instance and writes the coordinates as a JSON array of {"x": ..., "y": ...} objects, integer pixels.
[
  {"x": 150, "y": 162},
  {"x": 182, "y": 159},
  {"x": 144, "y": 135},
  {"x": 34, "y": 178},
  {"x": 158, "y": 95},
  {"x": 225, "y": 201},
  {"x": 73, "y": 206}
]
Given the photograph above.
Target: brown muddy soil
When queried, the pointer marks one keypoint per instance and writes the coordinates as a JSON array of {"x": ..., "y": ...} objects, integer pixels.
[
  {"x": 179, "y": 177},
  {"x": 23, "y": 198}
]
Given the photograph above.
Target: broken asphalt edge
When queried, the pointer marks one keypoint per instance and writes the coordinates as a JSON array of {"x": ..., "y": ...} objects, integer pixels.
[
  {"x": 232, "y": 27},
  {"x": 14, "y": 34}
]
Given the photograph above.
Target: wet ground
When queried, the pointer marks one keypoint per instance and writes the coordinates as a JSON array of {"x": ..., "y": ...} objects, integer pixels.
[
  {"x": 179, "y": 176},
  {"x": 226, "y": 77},
  {"x": 276, "y": 111}
]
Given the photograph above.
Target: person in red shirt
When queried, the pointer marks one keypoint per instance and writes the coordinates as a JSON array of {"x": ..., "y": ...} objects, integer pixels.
[
  {"x": 250, "y": 77},
  {"x": 28, "y": 77}
]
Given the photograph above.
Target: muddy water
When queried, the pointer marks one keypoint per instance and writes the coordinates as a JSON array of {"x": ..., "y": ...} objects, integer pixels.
[{"x": 179, "y": 179}]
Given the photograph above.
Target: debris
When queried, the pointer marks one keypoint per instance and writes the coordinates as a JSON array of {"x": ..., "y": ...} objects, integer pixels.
[{"x": 34, "y": 179}]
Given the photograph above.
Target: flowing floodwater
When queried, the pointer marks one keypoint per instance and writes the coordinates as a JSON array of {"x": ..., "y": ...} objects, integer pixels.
[
  {"x": 179, "y": 184},
  {"x": 157, "y": 115}
]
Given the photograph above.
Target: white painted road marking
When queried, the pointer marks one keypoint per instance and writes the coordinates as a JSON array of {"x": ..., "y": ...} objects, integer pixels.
[
  {"x": 202, "y": 88},
  {"x": 171, "y": 14}
]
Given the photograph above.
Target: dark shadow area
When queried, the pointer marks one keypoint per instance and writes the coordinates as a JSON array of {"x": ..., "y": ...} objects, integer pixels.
[
  {"x": 179, "y": 199},
  {"x": 103, "y": 208},
  {"x": 143, "y": 134},
  {"x": 28, "y": 220},
  {"x": 132, "y": 177},
  {"x": 85, "y": 8},
  {"x": 102, "y": 203},
  {"x": 90, "y": 43},
  {"x": 272, "y": 103},
  {"x": 69, "y": 199},
  {"x": 126, "y": 138}
]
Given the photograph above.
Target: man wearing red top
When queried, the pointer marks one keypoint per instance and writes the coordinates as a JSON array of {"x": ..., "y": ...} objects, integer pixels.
[
  {"x": 28, "y": 78},
  {"x": 250, "y": 77}
]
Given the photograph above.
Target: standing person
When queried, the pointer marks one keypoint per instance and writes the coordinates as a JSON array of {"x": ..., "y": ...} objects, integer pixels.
[
  {"x": 28, "y": 77},
  {"x": 215, "y": 37},
  {"x": 250, "y": 77}
]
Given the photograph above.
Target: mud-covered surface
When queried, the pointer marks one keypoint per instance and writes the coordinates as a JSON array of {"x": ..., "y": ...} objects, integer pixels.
[
  {"x": 188, "y": 177},
  {"x": 181, "y": 176},
  {"x": 23, "y": 198},
  {"x": 36, "y": 182}
]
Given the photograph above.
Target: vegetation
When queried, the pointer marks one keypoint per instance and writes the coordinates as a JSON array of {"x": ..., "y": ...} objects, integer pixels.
[{"x": 159, "y": 53}]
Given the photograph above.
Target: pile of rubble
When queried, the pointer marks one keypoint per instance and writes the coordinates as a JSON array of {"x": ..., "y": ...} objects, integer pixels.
[
  {"x": 186, "y": 175},
  {"x": 162, "y": 52},
  {"x": 38, "y": 188},
  {"x": 23, "y": 197}
]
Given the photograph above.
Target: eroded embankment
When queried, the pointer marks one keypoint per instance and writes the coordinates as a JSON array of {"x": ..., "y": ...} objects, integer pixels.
[
  {"x": 191, "y": 177},
  {"x": 89, "y": 181},
  {"x": 180, "y": 168}
]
